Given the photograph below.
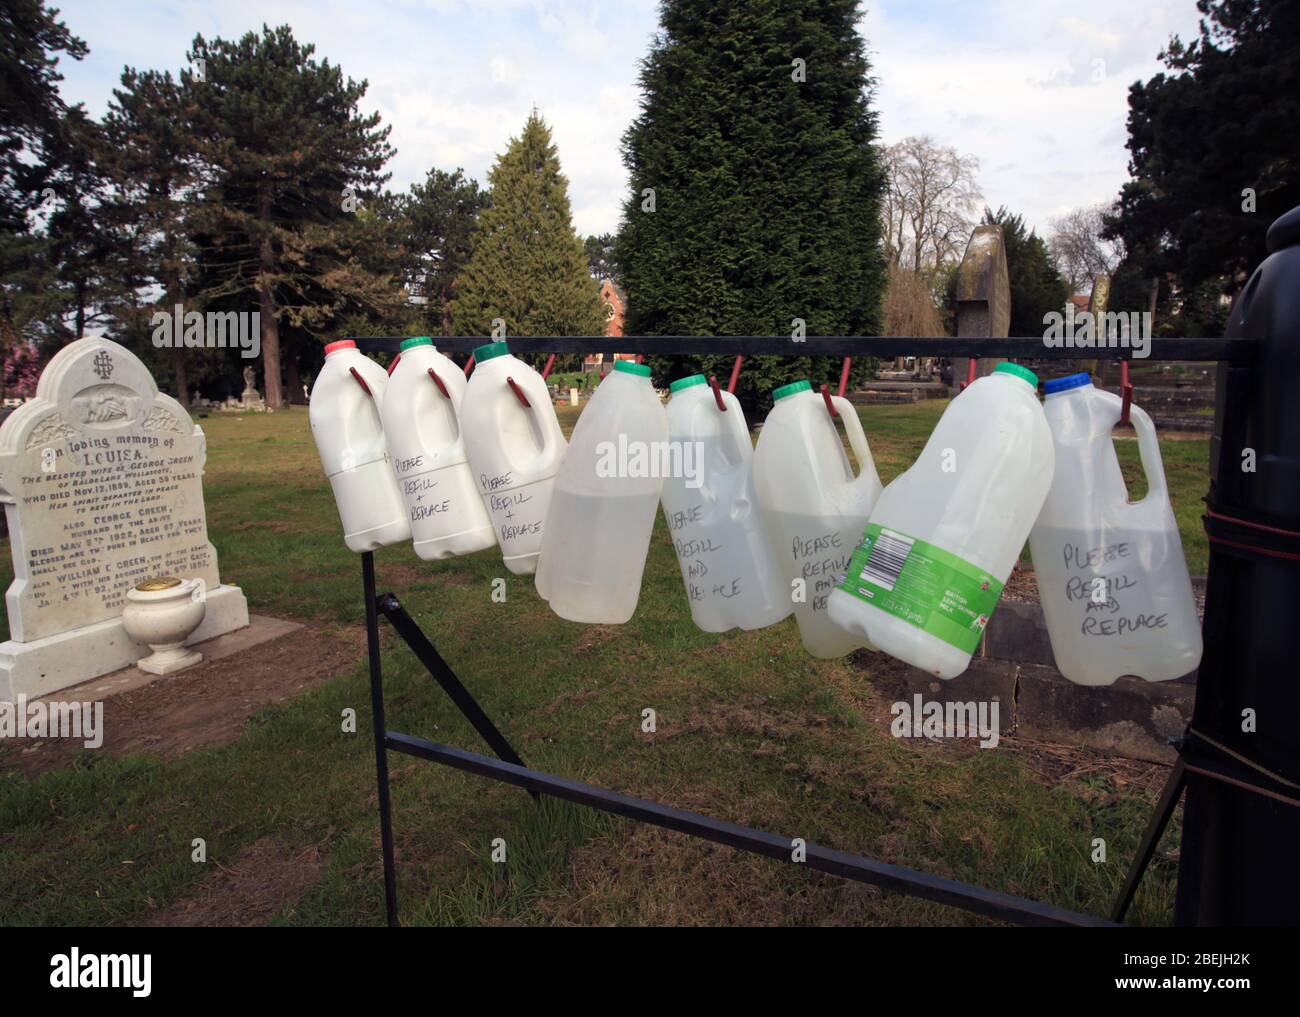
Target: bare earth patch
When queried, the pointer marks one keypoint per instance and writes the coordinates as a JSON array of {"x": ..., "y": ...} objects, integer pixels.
[
  {"x": 264, "y": 880},
  {"x": 207, "y": 704}
]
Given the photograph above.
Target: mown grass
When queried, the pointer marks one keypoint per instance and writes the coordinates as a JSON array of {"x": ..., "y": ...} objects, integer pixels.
[{"x": 749, "y": 729}]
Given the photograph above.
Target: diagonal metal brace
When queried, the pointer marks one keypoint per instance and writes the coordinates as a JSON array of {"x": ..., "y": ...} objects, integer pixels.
[{"x": 407, "y": 627}]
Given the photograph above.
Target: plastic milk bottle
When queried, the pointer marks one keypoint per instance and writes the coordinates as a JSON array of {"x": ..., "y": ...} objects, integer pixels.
[
  {"x": 813, "y": 507},
  {"x": 606, "y": 495},
  {"x": 732, "y": 580},
  {"x": 344, "y": 414},
  {"x": 515, "y": 445},
  {"x": 1111, "y": 573},
  {"x": 421, "y": 416},
  {"x": 944, "y": 536}
]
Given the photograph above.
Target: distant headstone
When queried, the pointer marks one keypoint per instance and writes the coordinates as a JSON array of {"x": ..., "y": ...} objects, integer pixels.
[
  {"x": 250, "y": 395},
  {"x": 983, "y": 297},
  {"x": 101, "y": 478}
]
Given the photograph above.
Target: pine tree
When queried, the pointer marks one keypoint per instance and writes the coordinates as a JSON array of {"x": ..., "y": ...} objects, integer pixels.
[
  {"x": 1215, "y": 145},
  {"x": 527, "y": 266},
  {"x": 288, "y": 161},
  {"x": 436, "y": 219},
  {"x": 756, "y": 185}
]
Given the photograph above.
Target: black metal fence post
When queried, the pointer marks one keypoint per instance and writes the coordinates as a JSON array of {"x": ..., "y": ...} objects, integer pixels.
[
  {"x": 1237, "y": 862},
  {"x": 377, "y": 720}
]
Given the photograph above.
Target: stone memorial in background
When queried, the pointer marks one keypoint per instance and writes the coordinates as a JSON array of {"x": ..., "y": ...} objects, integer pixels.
[
  {"x": 983, "y": 298},
  {"x": 250, "y": 396},
  {"x": 101, "y": 478}
]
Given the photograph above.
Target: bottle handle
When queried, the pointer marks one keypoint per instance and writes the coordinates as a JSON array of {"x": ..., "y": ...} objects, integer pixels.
[
  {"x": 1149, "y": 451},
  {"x": 857, "y": 436}
]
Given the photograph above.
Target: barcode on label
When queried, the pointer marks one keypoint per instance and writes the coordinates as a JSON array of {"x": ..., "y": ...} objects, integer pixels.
[{"x": 886, "y": 559}]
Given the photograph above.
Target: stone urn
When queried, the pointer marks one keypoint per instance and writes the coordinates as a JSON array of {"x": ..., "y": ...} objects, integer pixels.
[{"x": 163, "y": 613}]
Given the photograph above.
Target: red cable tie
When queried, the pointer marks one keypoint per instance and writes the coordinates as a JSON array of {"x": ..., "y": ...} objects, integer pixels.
[
  {"x": 1246, "y": 522},
  {"x": 519, "y": 394},
  {"x": 469, "y": 365},
  {"x": 717, "y": 393},
  {"x": 393, "y": 366},
  {"x": 971, "y": 364},
  {"x": 844, "y": 376},
  {"x": 1126, "y": 391},
  {"x": 550, "y": 362},
  {"x": 361, "y": 381},
  {"x": 438, "y": 381},
  {"x": 826, "y": 394},
  {"x": 1287, "y": 555},
  {"x": 735, "y": 373}
]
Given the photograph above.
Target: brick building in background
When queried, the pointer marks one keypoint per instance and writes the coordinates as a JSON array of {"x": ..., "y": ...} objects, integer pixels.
[{"x": 616, "y": 300}]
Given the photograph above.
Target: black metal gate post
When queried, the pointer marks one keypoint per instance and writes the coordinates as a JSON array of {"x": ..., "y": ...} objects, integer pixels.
[
  {"x": 1241, "y": 825},
  {"x": 380, "y": 728}
]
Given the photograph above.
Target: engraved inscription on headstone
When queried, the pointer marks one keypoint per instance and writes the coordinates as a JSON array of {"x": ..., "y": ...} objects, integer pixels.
[{"x": 101, "y": 476}]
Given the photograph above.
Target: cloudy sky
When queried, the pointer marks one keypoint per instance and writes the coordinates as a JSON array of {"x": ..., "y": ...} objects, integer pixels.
[{"x": 1035, "y": 90}]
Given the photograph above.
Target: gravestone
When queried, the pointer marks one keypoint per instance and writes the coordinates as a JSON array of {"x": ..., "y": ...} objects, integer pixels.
[
  {"x": 101, "y": 478},
  {"x": 983, "y": 298},
  {"x": 250, "y": 396}
]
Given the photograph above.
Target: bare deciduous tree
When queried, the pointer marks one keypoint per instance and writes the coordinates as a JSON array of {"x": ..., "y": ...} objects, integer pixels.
[
  {"x": 1079, "y": 249},
  {"x": 930, "y": 203}
]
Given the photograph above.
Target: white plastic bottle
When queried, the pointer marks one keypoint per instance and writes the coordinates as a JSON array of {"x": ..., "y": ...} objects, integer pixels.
[
  {"x": 1111, "y": 574},
  {"x": 515, "y": 446},
  {"x": 606, "y": 495},
  {"x": 732, "y": 580},
  {"x": 813, "y": 507},
  {"x": 421, "y": 416},
  {"x": 944, "y": 536},
  {"x": 344, "y": 413}
]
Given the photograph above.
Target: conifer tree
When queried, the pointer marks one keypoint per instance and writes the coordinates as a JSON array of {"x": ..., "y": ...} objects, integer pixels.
[
  {"x": 756, "y": 185},
  {"x": 288, "y": 161},
  {"x": 527, "y": 266}
]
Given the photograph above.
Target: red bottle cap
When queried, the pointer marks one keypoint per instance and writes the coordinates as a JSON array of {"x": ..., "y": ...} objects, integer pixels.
[{"x": 342, "y": 344}]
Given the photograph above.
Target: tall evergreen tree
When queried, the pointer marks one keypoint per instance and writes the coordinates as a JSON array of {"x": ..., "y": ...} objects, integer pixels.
[
  {"x": 288, "y": 161},
  {"x": 1215, "y": 146},
  {"x": 436, "y": 220},
  {"x": 152, "y": 159},
  {"x": 1037, "y": 288},
  {"x": 756, "y": 184},
  {"x": 527, "y": 265},
  {"x": 38, "y": 141}
]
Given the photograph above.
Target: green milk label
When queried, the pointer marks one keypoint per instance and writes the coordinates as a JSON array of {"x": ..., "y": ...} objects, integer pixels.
[{"x": 924, "y": 585}]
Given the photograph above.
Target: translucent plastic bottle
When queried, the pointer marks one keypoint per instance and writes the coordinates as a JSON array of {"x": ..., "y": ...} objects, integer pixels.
[
  {"x": 944, "y": 536},
  {"x": 731, "y": 579},
  {"x": 515, "y": 446},
  {"x": 421, "y": 416},
  {"x": 1111, "y": 574},
  {"x": 813, "y": 506},
  {"x": 606, "y": 495},
  {"x": 344, "y": 413}
]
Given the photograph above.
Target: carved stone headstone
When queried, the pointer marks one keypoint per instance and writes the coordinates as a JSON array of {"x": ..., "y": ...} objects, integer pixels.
[
  {"x": 101, "y": 478},
  {"x": 983, "y": 297}
]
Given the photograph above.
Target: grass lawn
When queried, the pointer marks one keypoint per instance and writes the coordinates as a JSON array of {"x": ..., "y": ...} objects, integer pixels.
[{"x": 749, "y": 728}]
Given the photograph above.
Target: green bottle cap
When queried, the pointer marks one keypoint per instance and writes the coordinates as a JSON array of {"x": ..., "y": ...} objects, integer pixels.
[
  {"x": 1023, "y": 373},
  {"x": 687, "y": 382},
  {"x": 629, "y": 367},
  {"x": 791, "y": 389},
  {"x": 489, "y": 351},
  {"x": 412, "y": 343}
]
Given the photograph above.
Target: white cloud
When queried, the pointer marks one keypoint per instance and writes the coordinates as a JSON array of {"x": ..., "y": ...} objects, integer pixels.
[{"x": 1003, "y": 80}]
